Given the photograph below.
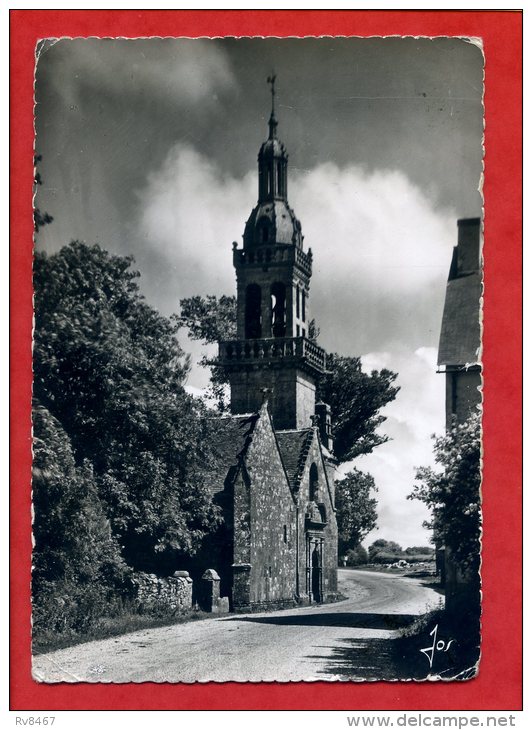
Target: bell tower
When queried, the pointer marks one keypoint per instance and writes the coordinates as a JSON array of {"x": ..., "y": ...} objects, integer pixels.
[{"x": 273, "y": 272}]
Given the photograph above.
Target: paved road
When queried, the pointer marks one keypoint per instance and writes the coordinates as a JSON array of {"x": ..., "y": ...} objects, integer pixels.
[{"x": 344, "y": 640}]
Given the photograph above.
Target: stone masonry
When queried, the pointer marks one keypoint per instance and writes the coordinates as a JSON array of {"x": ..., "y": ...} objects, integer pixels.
[{"x": 174, "y": 593}]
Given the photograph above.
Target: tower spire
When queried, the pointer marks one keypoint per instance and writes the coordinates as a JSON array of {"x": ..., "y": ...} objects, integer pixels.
[{"x": 273, "y": 121}]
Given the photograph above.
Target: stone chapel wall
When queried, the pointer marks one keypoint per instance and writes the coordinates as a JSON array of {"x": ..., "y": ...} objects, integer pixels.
[{"x": 273, "y": 528}]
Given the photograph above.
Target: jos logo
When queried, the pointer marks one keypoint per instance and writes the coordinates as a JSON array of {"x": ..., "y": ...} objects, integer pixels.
[{"x": 437, "y": 645}]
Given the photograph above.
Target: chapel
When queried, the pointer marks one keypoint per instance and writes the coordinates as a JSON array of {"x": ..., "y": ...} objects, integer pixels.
[{"x": 275, "y": 462}]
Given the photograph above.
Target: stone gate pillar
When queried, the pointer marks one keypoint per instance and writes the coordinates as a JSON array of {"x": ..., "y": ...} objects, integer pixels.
[
  {"x": 241, "y": 586},
  {"x": 210, "y": 600}
]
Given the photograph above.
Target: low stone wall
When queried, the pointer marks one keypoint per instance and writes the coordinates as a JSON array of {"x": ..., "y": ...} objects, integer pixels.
[
  {"x": 174, "y": 593},
  {"x": 258, "y": 607}
]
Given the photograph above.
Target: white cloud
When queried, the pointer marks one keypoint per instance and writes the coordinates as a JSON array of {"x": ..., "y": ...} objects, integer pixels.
[
  {"x": 382, "y": 254},
  {"x": 416, "y": 413},
  {"x": 190, "y": 214},
  {"x": 375, "y": 223},
  {"x": 196, "y": 392},
  {"x": 428, "y": 355},
  {"x": 375, "y": 361},
  {"x": 189, "y": 72}
]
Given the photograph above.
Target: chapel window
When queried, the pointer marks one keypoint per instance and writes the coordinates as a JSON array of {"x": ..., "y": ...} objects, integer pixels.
[
  {"x": 253, "y": 323},
  {"x": 313, "y": 483},
  {"x": 278, "y": 311}
]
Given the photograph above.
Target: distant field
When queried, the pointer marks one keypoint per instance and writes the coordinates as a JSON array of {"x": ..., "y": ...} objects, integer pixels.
[{"x": 426, "y": 567}]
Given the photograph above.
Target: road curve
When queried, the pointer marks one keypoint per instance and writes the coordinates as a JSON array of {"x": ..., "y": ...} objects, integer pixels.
[{"x": 304, "y": 644}]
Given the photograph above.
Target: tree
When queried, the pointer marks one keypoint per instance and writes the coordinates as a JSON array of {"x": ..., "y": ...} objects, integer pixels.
[
  {"x": 355, "y": 398},
  {"x": 356, "y": 509},
  {"x": 210, "y": 319},
  {"x": 357, "y": 556},
  {"x": 40, "y": 219},
  {"x": 421, "y": 550},
  {"x": 387, "y": 548},
  {"x": 109, "y": 368},
  {"x": 453, "y": 494},
  {"x": 76, "y": 560}
]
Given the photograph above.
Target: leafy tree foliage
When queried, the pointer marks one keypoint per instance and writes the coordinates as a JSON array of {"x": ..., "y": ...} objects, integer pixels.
[
  {"x": 209, "y": 319},
  {"x": 72, "y": 534},
  {"x": 355, "y": 398},
  {"x": 357, "y": 556},
  {"x": 356, "y": 509},
  {"x": 76, "y": 562},
  {"x": 109, "y": 368},
  {"x": 453, "y": 494},
  {"x": 384, "y": 546},
  {"x": 421, "y": 550},
  {"x": 40, "y": 219}
]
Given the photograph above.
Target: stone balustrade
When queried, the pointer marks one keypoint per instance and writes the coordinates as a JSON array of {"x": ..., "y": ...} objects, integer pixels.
[
  {"x": 275, "y": 254},
  {"x": 273, "y": 349}
]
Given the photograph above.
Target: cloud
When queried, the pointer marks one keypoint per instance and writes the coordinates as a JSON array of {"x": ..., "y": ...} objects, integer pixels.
[
  {"x": 187, "y": 72},
  {"x": 382, "y": 252},
  {"x": 416, "y": 413},
  {"x": 189, "y": 215}
]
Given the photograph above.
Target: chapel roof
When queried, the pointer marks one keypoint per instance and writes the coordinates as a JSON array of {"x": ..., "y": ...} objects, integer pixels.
[
  {"x": 230, "y": 440},
  {"x": 294, "y": 447},
  {"x": 460, "y": 330}
]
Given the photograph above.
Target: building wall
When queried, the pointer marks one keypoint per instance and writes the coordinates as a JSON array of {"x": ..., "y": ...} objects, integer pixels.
[
  {"x": 462, "y": 394},
  {"x": 264, "y": 277},
  {"x": 241, "y": 536},
  {"x": 292, "y": 398},
  {"x": 270, "y": 542}
]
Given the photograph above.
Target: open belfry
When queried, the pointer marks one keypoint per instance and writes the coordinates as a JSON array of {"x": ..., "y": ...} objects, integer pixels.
[{"x": 275, "y": 469}]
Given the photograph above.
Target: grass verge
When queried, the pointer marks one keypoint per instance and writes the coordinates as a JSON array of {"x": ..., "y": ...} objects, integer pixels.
[{"x": 107, "y": 627}]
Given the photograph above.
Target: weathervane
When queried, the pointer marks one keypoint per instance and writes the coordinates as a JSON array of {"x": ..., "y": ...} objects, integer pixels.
[
  {"x": 271, "y": 80},
  {"x": 273, "y": 121}
]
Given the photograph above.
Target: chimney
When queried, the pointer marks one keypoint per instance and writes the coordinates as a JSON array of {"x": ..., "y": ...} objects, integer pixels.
[
  {"x": 468, "y": 250},
  {"x": 323, "y": 412}
]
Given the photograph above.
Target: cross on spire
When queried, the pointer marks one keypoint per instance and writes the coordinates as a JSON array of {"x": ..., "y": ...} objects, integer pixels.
[
  {"x": 273, "y": 121},
  {"x": 271, "y": 80}
]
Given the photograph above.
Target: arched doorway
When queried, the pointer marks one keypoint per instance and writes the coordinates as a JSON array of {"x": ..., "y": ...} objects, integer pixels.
[
  {"x": 314, "y": 568},
  {"x": 316, "y": 574}
]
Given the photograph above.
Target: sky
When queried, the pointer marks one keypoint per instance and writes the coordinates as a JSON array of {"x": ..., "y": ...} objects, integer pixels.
[{"x": 149, "y": 148}]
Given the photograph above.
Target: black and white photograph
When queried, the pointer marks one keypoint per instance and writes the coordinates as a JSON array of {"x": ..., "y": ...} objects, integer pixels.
[{"x": 257, "y": 379}]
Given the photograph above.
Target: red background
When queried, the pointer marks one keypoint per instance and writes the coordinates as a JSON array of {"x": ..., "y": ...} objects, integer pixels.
[{"x": 499, "y": 684}]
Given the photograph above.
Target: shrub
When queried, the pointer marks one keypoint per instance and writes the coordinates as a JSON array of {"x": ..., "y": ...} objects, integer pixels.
[{"x": 357, "y": 556}]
